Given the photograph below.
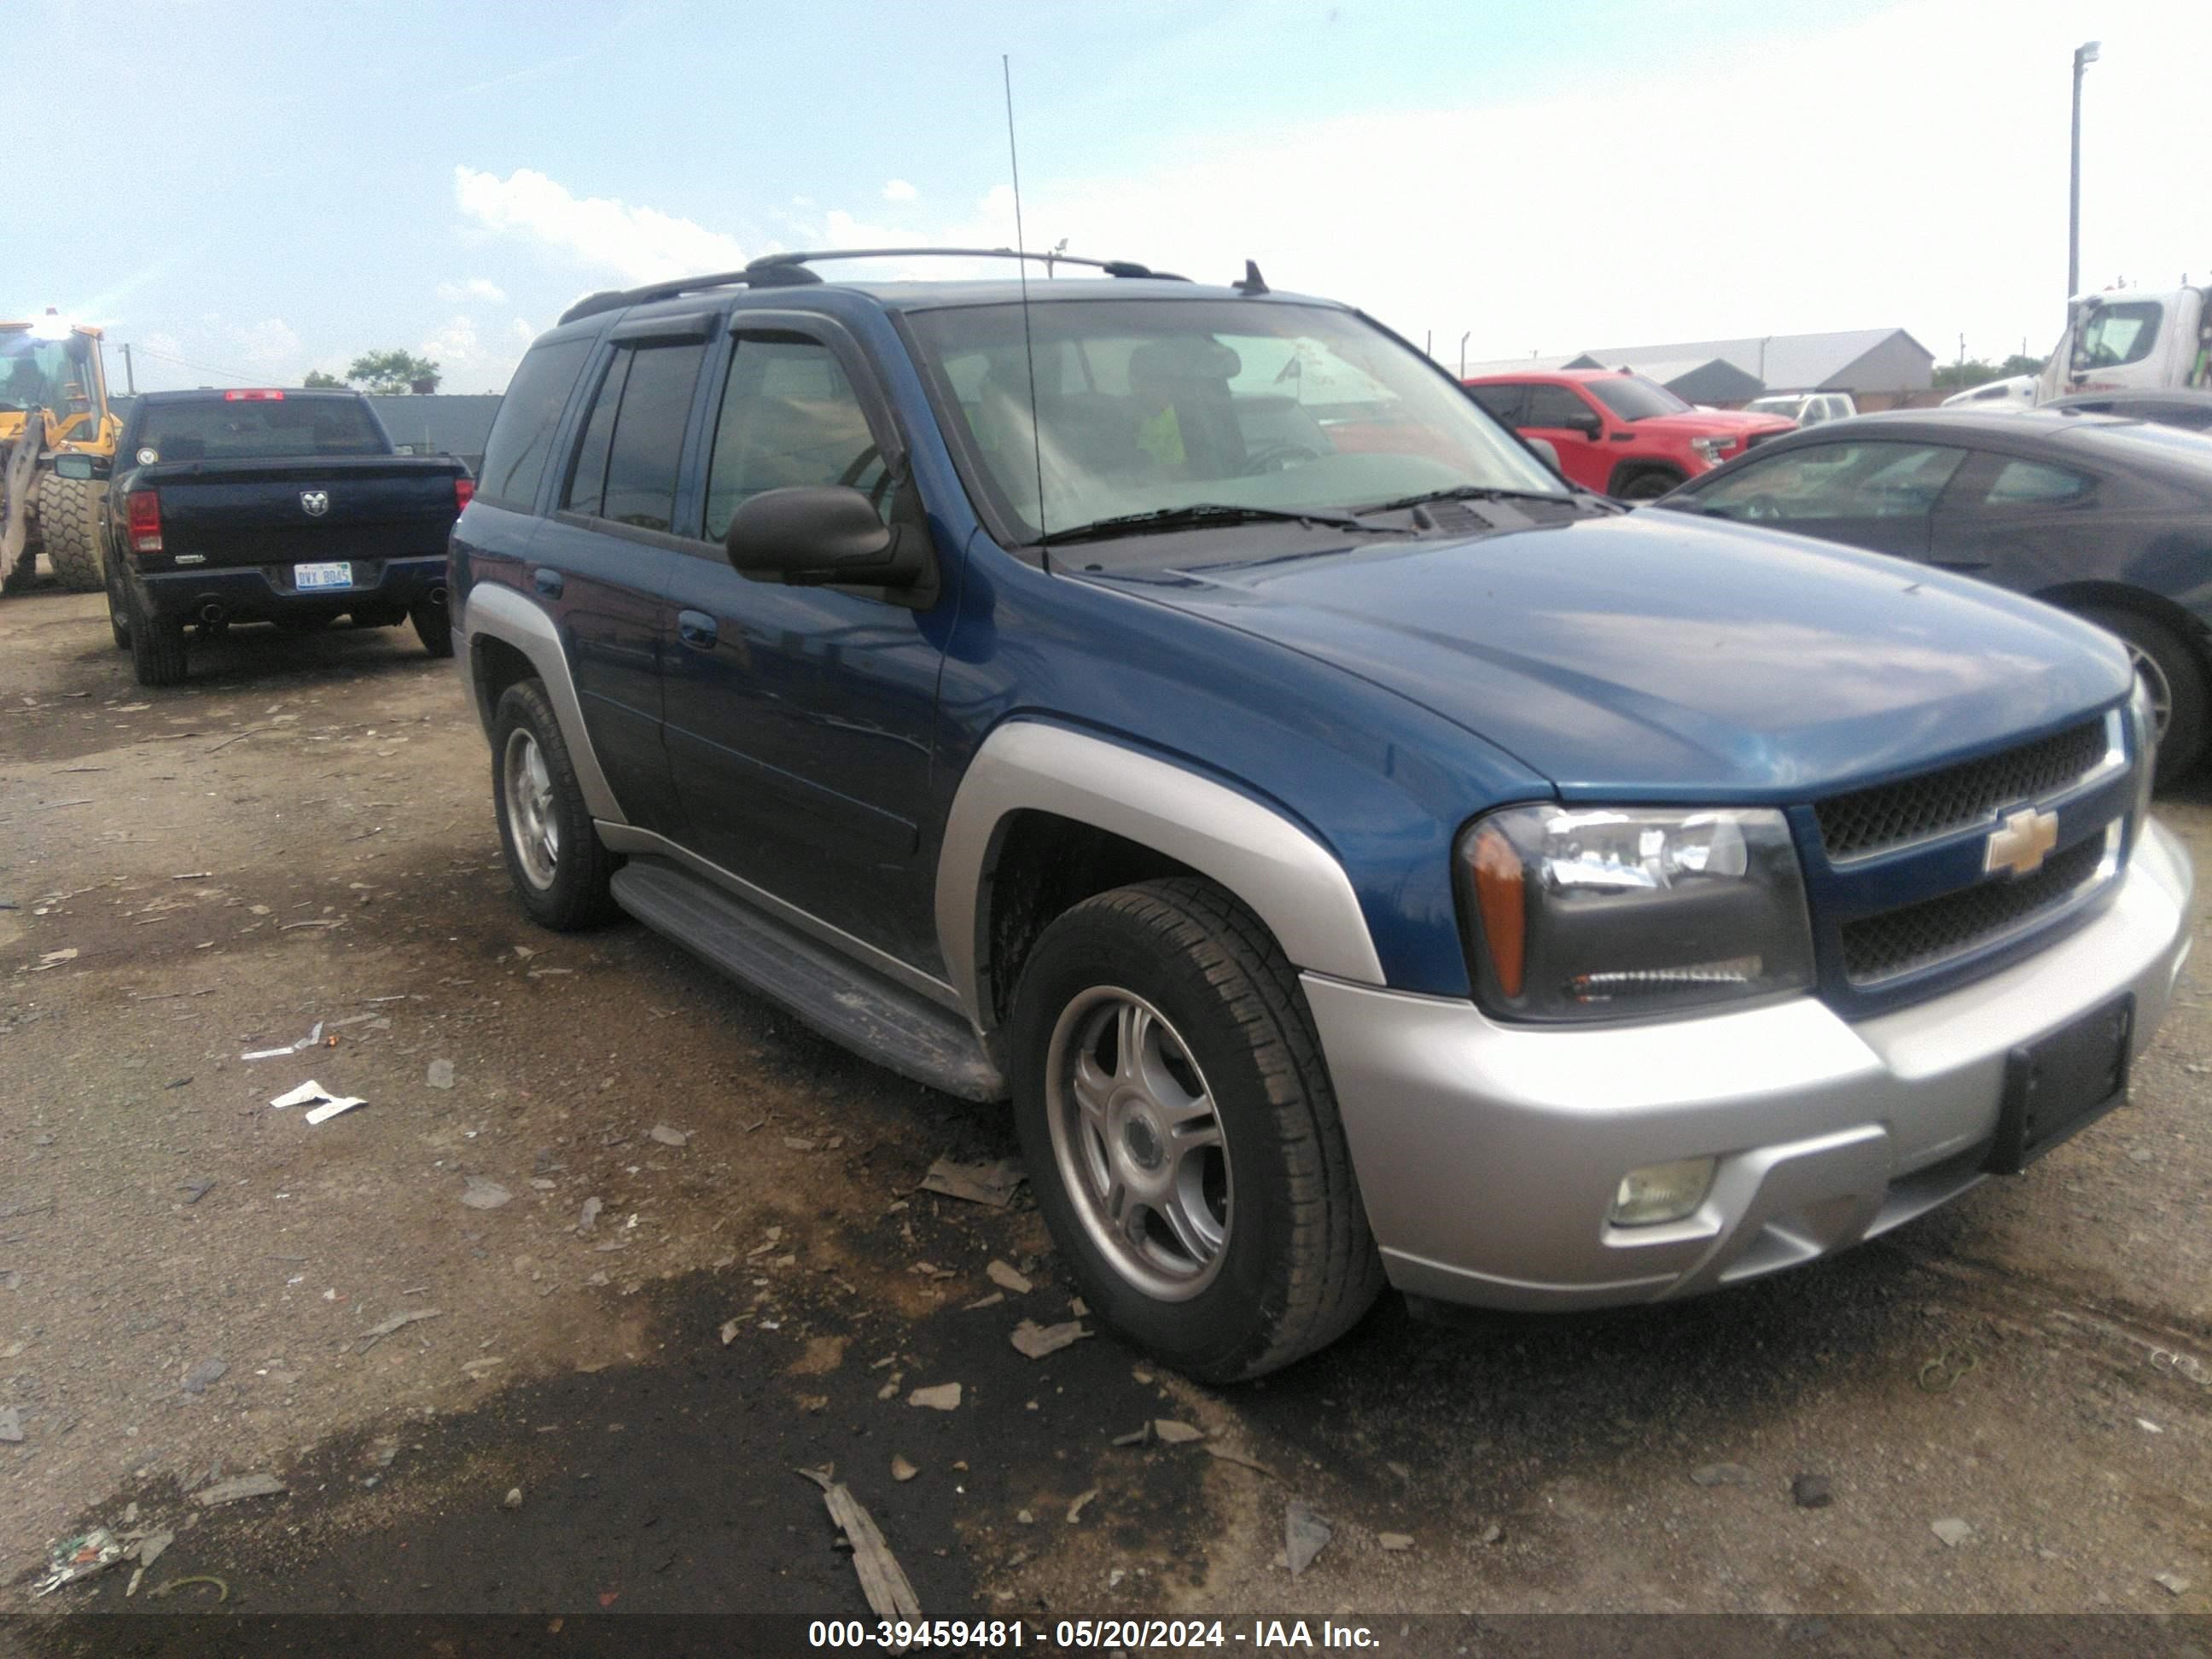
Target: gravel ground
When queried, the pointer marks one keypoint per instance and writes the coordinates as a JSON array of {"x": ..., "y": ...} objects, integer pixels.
[{"x": 192, "y": 1283}]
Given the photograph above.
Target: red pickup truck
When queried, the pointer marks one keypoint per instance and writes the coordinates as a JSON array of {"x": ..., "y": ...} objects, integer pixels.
[{"x": 1617, "y": 432}]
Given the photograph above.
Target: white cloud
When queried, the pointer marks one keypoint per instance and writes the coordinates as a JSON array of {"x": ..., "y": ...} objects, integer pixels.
[
  {"x": 270, "y": 346},
  {"x": 636, "y": 244},
  {"x": 477, "y": 288},
  {"x": 523, "y": 330},
  {"x": 897, "y": 189}
]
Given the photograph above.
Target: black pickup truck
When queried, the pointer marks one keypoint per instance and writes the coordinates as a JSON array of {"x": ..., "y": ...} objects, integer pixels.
[{"x": 281, "y": 505}]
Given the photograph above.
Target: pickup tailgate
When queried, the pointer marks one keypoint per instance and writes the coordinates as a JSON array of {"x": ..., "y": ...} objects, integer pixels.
[{"x": 304, "y": 511}]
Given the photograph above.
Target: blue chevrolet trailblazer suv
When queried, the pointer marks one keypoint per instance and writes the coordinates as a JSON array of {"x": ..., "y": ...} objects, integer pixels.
[{"x": 1360, "y": 856}]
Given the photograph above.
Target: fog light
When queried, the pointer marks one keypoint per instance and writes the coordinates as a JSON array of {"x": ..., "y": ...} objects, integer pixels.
[{"x": 1661, "y": 1192}]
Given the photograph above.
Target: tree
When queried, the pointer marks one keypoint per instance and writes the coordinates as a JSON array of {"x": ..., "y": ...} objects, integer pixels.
[
  {"x": 1954, "y": 377},
  {"x": 317, "y": 377},
  {"x": 391, "y": 371},
  {"x": 2019, "y": 363}
]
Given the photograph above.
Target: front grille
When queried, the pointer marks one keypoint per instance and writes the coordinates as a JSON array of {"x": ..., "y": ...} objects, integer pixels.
[
  {"x": 1868, "y": 821},
  {"x": 1935, "y": 930}
]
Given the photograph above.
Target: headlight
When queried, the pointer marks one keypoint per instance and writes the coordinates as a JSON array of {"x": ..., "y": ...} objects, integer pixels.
[
  {"x": 1712, "y": 449},
  {"x": 2143, "y": 729},
  {"x": 1577, "y": 913}
]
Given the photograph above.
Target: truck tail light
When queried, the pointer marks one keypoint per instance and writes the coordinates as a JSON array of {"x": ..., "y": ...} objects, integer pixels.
[
  {"x": 144, "y": 510},
  {"x": 464, "y": 491},
  {"x": 258, "y": 395},
  {"x": 1499, "y": 899}
]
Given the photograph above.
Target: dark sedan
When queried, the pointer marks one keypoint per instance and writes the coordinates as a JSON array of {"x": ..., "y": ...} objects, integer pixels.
[{"x": 2109, "y": 518}]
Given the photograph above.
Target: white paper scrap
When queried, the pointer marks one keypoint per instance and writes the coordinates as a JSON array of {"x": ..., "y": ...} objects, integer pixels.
[
  {"x": 305, "y": 1095},
  {"x": 330, "y": 1109}
]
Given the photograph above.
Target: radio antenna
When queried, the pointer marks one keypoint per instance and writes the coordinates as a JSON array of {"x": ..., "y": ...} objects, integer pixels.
[{"x": 1029, "y": 345}]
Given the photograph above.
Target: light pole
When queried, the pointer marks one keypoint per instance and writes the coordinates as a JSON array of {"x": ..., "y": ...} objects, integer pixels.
[{"x": 2084, "y": 55}]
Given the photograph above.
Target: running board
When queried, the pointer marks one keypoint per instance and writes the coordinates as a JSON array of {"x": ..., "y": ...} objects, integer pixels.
[{"x": 873, "y": 1018}]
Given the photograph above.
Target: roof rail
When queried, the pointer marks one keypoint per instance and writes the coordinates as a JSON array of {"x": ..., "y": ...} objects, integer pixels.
[{"x": 790, "y": 270}]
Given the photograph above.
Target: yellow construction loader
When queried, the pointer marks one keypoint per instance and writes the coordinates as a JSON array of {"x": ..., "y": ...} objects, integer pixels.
[{"x": 53, "y": 401}]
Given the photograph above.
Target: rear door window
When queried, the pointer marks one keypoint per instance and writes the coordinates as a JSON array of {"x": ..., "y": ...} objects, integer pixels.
[
  {"x": 626, "y": 459},
  {"x": 1503, "y": 401},
  {"x": 522, "y": 433},
  {"x": 2032, "y": 483}
]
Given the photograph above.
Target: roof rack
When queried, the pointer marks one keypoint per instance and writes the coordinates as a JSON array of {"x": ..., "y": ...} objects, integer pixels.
[{"x": 790, "y": 270}]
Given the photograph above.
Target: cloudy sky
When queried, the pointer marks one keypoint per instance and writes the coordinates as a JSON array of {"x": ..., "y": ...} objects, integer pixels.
[{"x": 271, "y": 188}]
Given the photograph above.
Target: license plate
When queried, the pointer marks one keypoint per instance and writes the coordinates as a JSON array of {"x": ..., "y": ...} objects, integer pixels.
[
  {"x": 2058, "y": 1086},
  {"x": 338, "y": 574}
]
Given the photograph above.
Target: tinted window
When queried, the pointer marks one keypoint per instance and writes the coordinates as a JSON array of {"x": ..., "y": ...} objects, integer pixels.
[
  {"x": 789, "y": 416},
  {"x": 220, "y": 428},
  {"x": 587, "y": 474},
  {"x": 1633, "y": 398},
  {"x": 2028, "y": 484},
  {"x": 1837, "y": 481},
  {"x": 648, "y": 436},
  {"x": 522, "y": 435},
  {"x": 1556, "y": 406},
  {"x": 2118, "y": 334},
  {"x": 1500, "y": 400}
]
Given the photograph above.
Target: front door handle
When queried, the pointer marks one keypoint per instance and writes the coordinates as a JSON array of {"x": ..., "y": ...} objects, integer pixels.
[
  {"x": 697, "y": 629},
  {"x": 549, "y": 583}
]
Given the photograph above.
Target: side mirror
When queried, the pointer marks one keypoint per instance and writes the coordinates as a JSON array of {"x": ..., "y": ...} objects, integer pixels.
[
  {"x": 1545, "y": 453},
  {"x": 1587, "y": 424},
  {"x": 80, "y": 467},
  {"x": 812, "y": 535}
]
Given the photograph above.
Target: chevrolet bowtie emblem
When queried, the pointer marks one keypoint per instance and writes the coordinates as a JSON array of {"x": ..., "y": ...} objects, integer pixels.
[{"x": 2017, "y": 845}]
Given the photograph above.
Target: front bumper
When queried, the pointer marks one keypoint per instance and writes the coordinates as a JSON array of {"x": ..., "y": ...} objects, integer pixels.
[
  {"x": 265, "y": 594},
  {"x": 1488, "y": 1155}
]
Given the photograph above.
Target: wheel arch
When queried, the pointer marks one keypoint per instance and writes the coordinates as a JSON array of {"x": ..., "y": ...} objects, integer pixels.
[
  {"x": 2120, "y": 596},
  {"x": 510, "y": 639},
  {"x": 1627, "y": 471},
  {"x": 1047, "y": 816}
]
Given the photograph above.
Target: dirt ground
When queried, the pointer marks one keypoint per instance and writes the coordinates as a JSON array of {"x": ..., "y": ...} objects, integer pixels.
[{"x": 192, "y": 1282}]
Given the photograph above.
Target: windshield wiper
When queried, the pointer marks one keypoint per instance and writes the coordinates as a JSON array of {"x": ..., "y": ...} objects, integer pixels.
[
  {"x": 1198, "y": 513},
  {"x": 1472, "y": 492}
]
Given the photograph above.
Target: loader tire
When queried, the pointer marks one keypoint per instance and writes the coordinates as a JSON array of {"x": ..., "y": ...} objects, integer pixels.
[{"x": 69, "y": 522}]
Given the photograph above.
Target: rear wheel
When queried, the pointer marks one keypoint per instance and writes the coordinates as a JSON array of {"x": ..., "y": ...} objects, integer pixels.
[
  {"x": 119, "y": 617},
  {"x": 68, "y": 520},
  {"x": 560, "y": 867},
  {"x": 157, "y": 643},
  {"x": 1181, "y": 1134},
  {"x": 2176, "y": 679}
]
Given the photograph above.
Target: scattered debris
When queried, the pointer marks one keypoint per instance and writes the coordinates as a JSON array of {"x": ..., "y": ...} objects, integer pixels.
[
  {"x": 55, "y": 959},
  {"x": 79, "y": 1557},
  {"x": 1394, "y": 1542},
  {"x": 151, "y": 1546},
  {"x": 979, "y": 1183},
  {"x": 440, "y": 1074},
  {"x": 195, "y": 1190},
  {"x": 1215, "y": 1449},
  {"x": 1304, "y": 1535},
  {"x": 1007, "y": 1278},
  {"x": 901, "y": 1470},
  {"x": 513, "y": 1500},
  {"x": 244, "y": 1486},
  {"x": 1139, "y": 1436},
  {"x": 206, "y": 1375},
  {"x": 1721, "y": 1475},
  {"x": 221, "y": 1589},
  {"x": 2172, "y": 1583},
  {"x": 1082, "y": 1502},
  {"x": 1811, "y": 1491},
  {"x": 1036, "y": 1341},
  {"x": 330, "y": 1109},
  {"x": 943, "y": 1397},
  {"x": 1952, "y": 1530},
  {"x": 477, "y": 1368},
  {"x": 730, "y": 1329},
  {"x": 1491, "y": 1534},
  {"x": 376, "y": 1333},
  {"x": 1172, "y": 1433},
  {"x": 668, "y": 1137},
  {"x": 798, "y": 1144},
  {"x": 994, "y": 1299},
  {"x": 484, "y": 1193},
  {"x": 883, "y": 1581},
  {"x": 11, "y": 1425},
  {"x": 301, "y": 1047},
  {"x": 590, "y": 1218}
]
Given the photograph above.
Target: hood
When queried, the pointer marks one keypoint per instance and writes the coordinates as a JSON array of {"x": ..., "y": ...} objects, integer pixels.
[
  {"x": 1706, "y": 422},
  {"x": 1654, "y": 655}
]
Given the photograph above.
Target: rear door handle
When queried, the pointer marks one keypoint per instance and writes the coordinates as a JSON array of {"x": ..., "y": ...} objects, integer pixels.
[
  {"x": 697, "y": 629},
  {"x": 549, "y": 583}
]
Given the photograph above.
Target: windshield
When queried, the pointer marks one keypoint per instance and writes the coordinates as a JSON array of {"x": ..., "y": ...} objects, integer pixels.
[
  {"x": 1148, "y": 406},
  {"x": 1788, "y": 406},
  {"x": 38, "y": 375},
  {"x": 1633, "y": 398},
  {"x": 212, "y": 430}
]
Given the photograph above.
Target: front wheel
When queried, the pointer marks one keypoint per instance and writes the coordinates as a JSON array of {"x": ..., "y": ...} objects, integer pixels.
[
  {"x": 1181, "y": 1133},
  {"x": 2175, "y": 677},
  {"x": 433, "y": 627},
  {"x": 1647, "y": 486},
  {"x": 560, "y": 867}
]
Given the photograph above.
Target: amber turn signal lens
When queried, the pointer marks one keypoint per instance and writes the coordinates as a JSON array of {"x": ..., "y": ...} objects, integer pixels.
[{"x": 1498, "y": 899}]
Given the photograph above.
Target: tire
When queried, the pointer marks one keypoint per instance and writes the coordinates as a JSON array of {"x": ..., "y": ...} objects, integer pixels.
[
  {"x": 68, "y": 521},
  {"x": 1258, "y": 1252},
  {"x": 157, "y": 644},
  {"x": 2176, "y": 675},
  {"x": 563, "y": 886},
  {"x": 433, "y": 627},
  {"x": 119, "y": 617},
  {"x": 1648, "y": 484}
]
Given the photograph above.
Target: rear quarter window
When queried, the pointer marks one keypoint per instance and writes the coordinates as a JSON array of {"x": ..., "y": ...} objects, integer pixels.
[{"x": 522, "y": 433}]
